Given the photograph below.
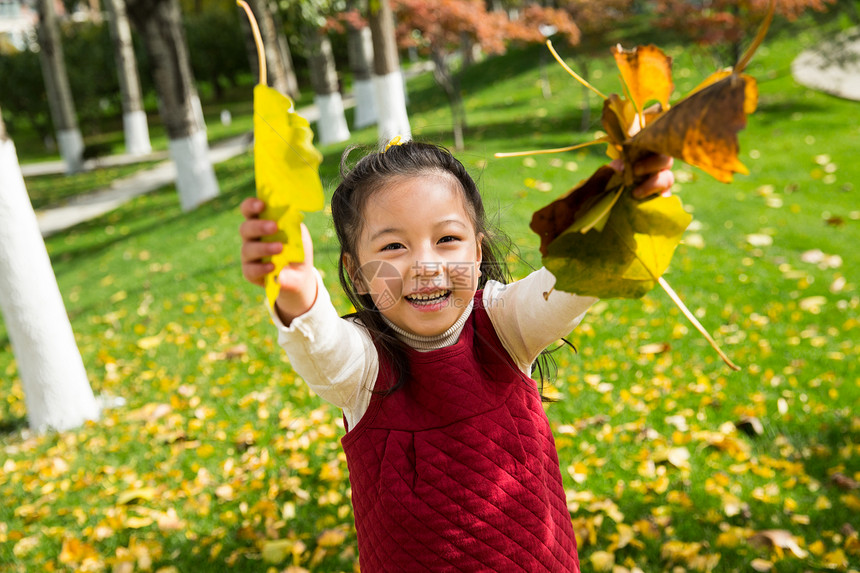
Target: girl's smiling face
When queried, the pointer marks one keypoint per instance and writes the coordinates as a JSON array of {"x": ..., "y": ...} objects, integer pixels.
[{"x": 418, "y": 252}]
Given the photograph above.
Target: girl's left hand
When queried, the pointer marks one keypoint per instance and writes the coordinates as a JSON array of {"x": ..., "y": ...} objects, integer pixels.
[{"x": 659, "y": 169}]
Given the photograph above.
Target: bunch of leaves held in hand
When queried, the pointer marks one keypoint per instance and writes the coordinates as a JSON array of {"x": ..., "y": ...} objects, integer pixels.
[{"x": 597, "y": 239}]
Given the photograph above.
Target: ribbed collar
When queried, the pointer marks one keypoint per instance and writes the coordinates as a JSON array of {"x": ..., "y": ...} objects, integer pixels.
[{"x": 428, "y": 343}]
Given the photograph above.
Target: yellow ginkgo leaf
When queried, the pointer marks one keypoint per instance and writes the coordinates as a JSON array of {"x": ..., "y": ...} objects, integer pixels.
[{"x": 286, "y": 168}]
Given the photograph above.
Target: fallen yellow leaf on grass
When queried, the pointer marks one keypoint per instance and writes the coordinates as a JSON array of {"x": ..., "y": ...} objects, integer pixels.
[
  {"x": 138, "y": 522},
  {"x": 75, "y": 551},
  {"x": 761, "y": 565},
  {"x": 602, "y": 560},
  {"x": 135, "y": 495},
  {"x": 331, "y": 538}
]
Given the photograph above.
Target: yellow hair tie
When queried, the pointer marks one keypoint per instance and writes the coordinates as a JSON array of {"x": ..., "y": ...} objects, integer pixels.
[{"x": 396, "y": 140}]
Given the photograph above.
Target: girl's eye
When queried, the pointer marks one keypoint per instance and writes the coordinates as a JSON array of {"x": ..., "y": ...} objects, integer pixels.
[
  {"x": 448, "y": 239},
  {"x": 391, "y": 246}
]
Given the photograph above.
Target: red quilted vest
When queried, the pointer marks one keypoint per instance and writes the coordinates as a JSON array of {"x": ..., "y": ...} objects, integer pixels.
[{"x": 458, "y": 470}]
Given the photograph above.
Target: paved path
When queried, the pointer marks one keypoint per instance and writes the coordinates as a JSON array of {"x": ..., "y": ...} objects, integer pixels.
[
  {"x": 832, "y": 67},
  {"x": 85, "y": 207},
  {"x": 58, "y": 167}
]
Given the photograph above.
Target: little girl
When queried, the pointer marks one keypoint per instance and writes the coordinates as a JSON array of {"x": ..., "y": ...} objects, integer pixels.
[{"x": 452, "y": 463}]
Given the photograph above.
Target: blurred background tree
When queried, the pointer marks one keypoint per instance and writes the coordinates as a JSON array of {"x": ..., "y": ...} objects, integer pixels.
[
  {"x": 449, "y": 33},
  {"x": 726, "y": 24}
]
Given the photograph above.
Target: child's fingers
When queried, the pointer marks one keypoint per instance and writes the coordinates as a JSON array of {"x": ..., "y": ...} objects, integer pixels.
[
  {"x": 255, "y": 251},
  {"x": 308, "y": 246},
  {"x": 251, "y": 207},
  {"x": 660, "y": 182},
  {"x": 256, "y": 272},
  {"x": 292, "y": 277},
  {"x": 652, "y": 164},
  {"x": 253, "y": 229}
]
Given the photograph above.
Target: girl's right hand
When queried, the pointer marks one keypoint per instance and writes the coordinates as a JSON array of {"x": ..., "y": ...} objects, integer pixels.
[{"x": 297, "y": 280}]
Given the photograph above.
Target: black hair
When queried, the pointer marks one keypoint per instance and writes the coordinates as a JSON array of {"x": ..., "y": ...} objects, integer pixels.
[{"x": 371, "y": 173}]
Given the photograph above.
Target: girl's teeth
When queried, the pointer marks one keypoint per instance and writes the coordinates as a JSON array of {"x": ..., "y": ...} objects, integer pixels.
[{"x": 426, "y": 297}]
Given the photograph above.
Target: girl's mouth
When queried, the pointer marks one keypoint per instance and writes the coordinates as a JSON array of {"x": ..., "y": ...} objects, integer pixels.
[{"x": 428, "y": 301}]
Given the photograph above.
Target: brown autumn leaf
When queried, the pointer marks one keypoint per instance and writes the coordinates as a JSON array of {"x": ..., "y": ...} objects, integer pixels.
[
  {"x": 655, "y": 348},
  {"x": 750, "y": 425},
  {"x": 647, "y": 73},
  {"x": 702, "y": 129},
  {"x": 552, "y": 220},
  {"x": 777, "y": 539},
  {"x": 842, "y": 481}
]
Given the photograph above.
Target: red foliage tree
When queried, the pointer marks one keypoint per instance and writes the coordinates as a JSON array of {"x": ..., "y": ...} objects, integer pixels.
[
  {"x": 726, "y": 23},
  {"x": 446, "y": 28}
]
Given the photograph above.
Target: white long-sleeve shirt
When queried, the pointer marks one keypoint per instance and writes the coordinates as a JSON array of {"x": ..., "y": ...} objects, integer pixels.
[{"x": 338, "y": 360}]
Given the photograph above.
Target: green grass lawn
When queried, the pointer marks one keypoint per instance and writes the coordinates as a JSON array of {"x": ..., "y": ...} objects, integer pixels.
[{"x": 221, "y": 459}]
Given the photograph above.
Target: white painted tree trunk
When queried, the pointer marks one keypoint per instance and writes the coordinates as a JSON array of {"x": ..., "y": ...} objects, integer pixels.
[
  {"x": 365, "y": 103},
  {"x": 391, "y": 103},
  {"x": 56, "y": 390},
  {"x": 390, "y": 92},
  {"x": 160, "y": 22},
  {"x": 331, "y": 126},
  {"x": 57, "y": 88},
  {"x": 134, "y": 120},
  {"x": 136, "y": 128},
  {"x": 195, "y": 177},
  {"x": 360, "y": 51},
  {"x": 71, "y": 145}
]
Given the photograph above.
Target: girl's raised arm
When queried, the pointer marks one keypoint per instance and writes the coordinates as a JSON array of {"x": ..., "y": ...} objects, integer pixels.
[{"x": 335, "y": 357}]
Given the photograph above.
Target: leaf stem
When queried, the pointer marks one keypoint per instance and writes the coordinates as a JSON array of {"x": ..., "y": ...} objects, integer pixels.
[
  {"x": 258, "y": 39},
  {"x": 759, "y": 38},
  {"x": 546, "y": 151},
  {"x": 576, "y": 76},
  {"x": 692, "y": 318},
  {"x": 639, "y": 111}
]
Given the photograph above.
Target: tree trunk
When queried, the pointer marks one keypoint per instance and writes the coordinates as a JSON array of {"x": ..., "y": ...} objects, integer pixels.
[
  {"x": 134, "y": 120},
  {"x": 59, "y": 93},
  {"x": 56, "y": 390},
  {"x": 361, "y": 64},
  {"x": 278, "y": 58},
  {"x": 390, "y": 94},
  {"x": 286, "y": 56},
  {"x": 450, "y": 84},
  {"x": 160, "y": 23},
  {"x": 331, "y": 126}
]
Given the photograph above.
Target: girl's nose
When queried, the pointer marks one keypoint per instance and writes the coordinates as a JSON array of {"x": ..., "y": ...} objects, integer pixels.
[{"x": 428, "y": 268}]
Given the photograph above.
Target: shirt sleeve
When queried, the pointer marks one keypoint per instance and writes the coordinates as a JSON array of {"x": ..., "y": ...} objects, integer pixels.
[
  {"x": 526, "y": 321},
  {"x": 335, "y": 357}
]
